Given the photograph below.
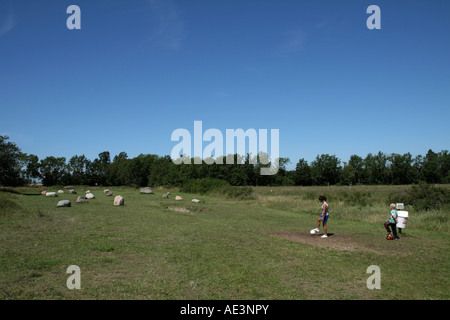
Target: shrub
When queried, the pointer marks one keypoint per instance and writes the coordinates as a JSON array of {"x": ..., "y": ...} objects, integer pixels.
[
  {"x": 424, "y": 196},
  {"x": 310, "y": 196},
  {"x": 217, "y": 187},
  {"x": 358, "y": 198},
  {"x": 243, "y": 193},
  {"x": 203, "y": 186}
]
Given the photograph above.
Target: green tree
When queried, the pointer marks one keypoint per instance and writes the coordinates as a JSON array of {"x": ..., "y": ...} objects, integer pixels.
[
  {"x": 347, "y": 175},
  {"x": 261, "y": 162},
  {"x": 118, "y": 170},
  {"x": 431, "y": 167},
  {"x": 326, "y": 169},
  {"x": 376, "y": 170},
  {"x": 100, "y": 168},
  {"x": 139, "y": 169},
  {"x": 356, "y": 165},
  {"x": 10, "y": 163},
  {"x": 444, "y": 166},
  {"x": 78, "y": 166},
  {"x": 31, "y": 164},
  {"x": 164, "y": 172},
  {"x": 53, "y": 171},
  {"x": 302, "y": 176},
  {"x": 402, "y": 170},
  {"x": 417, "y": 165}
]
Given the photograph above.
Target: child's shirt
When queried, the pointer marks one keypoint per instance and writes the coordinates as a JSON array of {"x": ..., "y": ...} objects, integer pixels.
[
  {"x": 327, "y": 212},
  {"x": 393, "y": 216}
]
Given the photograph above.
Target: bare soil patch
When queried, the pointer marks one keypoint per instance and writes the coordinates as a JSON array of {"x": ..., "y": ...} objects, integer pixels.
[
  {"x": 179, "y": 209},
  {"x": 340, "y": 242},
  {"x": 189, "y": 209}
]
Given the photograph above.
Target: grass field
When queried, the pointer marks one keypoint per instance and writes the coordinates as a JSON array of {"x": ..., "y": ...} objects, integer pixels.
[{"x": 219, "y": 248}]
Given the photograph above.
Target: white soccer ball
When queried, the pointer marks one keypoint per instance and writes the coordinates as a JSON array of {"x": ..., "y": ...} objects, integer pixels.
[{"x": 312, "y": 231}]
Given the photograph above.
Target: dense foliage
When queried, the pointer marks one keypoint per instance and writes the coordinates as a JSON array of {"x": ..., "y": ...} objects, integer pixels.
[{"x": 18, "y": 168}]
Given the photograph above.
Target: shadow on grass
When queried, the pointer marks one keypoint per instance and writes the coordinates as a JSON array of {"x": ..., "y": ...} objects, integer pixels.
[{"x": 14, "y": 191}]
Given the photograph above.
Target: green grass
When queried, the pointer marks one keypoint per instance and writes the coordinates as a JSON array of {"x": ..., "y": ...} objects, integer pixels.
[
  {"x": 220, "y": 249},
  {"x": 358, "y": 204}
]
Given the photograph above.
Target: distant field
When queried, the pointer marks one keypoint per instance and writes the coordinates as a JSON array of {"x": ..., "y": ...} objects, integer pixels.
[{"x": 219, "y": 248}]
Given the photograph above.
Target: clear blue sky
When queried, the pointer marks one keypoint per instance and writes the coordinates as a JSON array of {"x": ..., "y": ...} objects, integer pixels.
[{"x": 138, "y": 70}]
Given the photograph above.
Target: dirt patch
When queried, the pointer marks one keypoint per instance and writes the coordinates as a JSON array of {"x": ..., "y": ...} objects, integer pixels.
[
  {"x": 189, "y": 209},
  {"x": 179, "y": 209},
  {"x": 341, "y": 242}
]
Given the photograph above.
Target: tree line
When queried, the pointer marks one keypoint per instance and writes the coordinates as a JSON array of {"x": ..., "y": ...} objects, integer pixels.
[{"x": 17, "y": 168}]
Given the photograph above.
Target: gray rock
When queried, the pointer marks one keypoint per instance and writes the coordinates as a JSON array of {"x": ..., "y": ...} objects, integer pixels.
[
  {"x": 82, "y": 199},
  {"x": 146, "y": 190},
  {"x": 63, "y": 203}
]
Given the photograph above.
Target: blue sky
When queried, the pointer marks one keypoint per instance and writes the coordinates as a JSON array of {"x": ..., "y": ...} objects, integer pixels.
[{"x": 137, "y": 70}]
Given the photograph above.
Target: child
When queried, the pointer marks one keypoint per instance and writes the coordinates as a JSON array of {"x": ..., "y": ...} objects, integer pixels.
[
  {"x": 323, "y": 217},
  {"x": 392, "y": 222}
]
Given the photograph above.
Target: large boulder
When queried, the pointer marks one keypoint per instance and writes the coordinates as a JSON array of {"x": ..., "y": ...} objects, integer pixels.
[
  {"x": 90, "y": 195},
  {"x": 146, "y": 190},
  {"x": 106, "y": 191},
  {"x": 71, "y": 191},
  {"x": 60, "y": 191},
  {"x": 119, "y": 201},
  {"x": 178, "y": 198},
  {"x": 51, "y": 194},
  {"x": 82, "y": 199},
  {"x": 109, "y": 193},
  {"x": 195, "y": 200},
  {"x": 63, "y": 203}
]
